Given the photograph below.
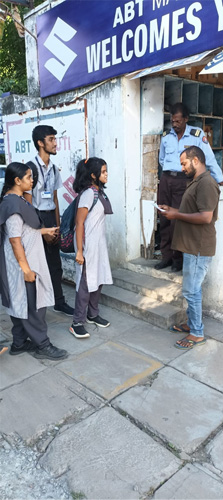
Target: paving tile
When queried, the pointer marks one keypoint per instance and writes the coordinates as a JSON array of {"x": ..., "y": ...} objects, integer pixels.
[
  {"x": 5, "y": 324},
  {"x": 152, "y": 341},
  {"x": 172, "y": 408},
  {"x": 213, "y": 328},
  {"x": 44, "y": 399},
  {"x": 15, "y": 369},
  {"x": 204, "y": 363},
  {"x": 110, "y": 368},
  {"x": 62, "y": 338},
  {"x": 215, "y": 450},
  {"x": 4, "y": 338},
  {"x": 191, "y": 483},
  {"x": 58, "y": 318},
  {"x": 114, "y": 459}
]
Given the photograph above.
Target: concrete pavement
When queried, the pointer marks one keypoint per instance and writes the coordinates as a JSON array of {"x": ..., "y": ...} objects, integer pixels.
[{"x": 125, "y": 416}]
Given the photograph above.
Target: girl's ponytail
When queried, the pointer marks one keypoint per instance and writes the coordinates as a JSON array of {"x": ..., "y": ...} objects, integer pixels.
[{"x": 5, "y": 188}]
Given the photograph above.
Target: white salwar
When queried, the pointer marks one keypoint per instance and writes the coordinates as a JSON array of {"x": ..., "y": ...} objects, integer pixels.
[
  {"x": 31, "y": 240},
  {"x": 95, "y": 252}
]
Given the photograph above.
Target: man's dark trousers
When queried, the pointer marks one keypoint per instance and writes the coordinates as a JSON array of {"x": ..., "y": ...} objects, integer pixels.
[
  {"x": 171, "y": 190},
  {"x": 53, "y": 257}
]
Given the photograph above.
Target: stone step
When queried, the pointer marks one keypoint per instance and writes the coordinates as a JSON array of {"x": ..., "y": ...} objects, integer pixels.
[
  {"x": 147, "y": 267},
  {"x": 156, "y": 288},
  {"x": 142, "y": 307}
]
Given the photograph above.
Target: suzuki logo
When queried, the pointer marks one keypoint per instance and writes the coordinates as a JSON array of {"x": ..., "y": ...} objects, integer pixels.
[{"x": 61, "y": 32}]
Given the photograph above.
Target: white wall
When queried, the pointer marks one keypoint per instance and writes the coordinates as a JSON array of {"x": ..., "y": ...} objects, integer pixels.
[
  {"x": 152, "y": 105},
  {"x": 105, "y": 125},
  {"x": 152, "y": 109},
  {"x": 130, "y": 136},
  {"x": 114, "y": 134},
  {"x": 113, "y": 110},
  {"x": 213, "y": 285}
]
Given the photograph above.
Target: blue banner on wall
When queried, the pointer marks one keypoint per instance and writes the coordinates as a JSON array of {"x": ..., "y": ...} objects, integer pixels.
[{"x": 83, "y": 42}]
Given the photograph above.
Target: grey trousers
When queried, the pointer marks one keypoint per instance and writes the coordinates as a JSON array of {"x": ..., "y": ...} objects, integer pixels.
[
  {"x": 86, "y": 303},
  {"x": 52, "y": 253},
  {"x": 34, "y": 327}
]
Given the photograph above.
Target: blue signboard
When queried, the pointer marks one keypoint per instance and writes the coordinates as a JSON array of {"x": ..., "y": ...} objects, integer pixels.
[{"x": 86, "y": 41}]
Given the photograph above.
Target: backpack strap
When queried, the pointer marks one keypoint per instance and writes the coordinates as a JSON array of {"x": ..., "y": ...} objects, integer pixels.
[{"x": 96, "y": 195}]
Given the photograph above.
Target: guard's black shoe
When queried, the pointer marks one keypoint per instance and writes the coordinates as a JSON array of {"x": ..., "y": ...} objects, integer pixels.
[
  {"x": 50, "y": 352},
  {"x": 97, "y": 320},
  {"x": 64, "y": 308},
  {"x": 163, "y": 263},
  {"x": 176, "y": 266},
  {"x": 28, "y": 346}
]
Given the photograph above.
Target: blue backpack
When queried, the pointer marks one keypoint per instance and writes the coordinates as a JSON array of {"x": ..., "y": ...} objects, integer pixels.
[{"x": 67, "y": 225}]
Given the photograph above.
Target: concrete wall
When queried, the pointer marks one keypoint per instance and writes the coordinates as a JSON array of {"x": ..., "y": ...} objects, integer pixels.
[
  {"x": 113, "y": 110},
  {"x": 213, "y": 285}
]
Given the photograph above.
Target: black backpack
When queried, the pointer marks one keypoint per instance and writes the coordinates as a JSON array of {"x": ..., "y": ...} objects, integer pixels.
[{"x": 67, "y": 224}]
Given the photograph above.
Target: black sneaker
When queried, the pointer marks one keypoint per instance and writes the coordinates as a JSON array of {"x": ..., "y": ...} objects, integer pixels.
[
  {"x": 28, "y": 346},
  {"x": 79, "y": 331},
  {"x": 64, "y": 308},
  {"x": 50, "y": 352},
  {"x": 97, "y": 320}
]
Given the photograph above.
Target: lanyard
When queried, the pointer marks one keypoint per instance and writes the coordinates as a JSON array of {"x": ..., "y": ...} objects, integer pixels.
[{"x": 45, "y": 179}]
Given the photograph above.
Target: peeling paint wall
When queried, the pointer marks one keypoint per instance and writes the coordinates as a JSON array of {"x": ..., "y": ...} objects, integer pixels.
[
  {"x": 213, "y": 285},
  {"x": 113, "y": 110}
]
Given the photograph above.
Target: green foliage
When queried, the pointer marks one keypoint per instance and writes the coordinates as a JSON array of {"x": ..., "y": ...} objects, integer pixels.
[
  {"x": 78, "y": 495},
  {"x": 12, "y": 57}
]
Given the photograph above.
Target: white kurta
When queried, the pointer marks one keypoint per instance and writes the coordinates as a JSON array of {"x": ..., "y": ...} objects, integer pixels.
[
  {"x": 31, "y": 240},
  {"x": 95, "y": 251}
]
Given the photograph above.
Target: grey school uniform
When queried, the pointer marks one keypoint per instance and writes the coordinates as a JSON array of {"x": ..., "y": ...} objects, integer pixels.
[
  {"x": 31, "y": 240},
  {"x": 98, "y": 271}
]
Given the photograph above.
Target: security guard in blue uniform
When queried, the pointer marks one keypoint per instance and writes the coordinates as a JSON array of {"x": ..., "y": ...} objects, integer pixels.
[{"x": 173, "y": 181}]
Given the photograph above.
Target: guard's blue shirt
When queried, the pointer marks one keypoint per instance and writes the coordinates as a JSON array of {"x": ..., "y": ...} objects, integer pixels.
[{"x": 171, "y": 148}]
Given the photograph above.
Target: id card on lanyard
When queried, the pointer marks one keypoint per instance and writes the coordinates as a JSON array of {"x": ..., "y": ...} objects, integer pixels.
[{"x": 46, "y": 194}]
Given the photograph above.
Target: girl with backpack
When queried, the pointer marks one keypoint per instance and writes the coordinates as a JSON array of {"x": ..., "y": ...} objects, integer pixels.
[{"x": 92, "y": 262}]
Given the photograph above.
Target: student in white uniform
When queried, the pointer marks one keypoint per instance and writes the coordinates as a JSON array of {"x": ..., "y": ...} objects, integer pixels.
[
  {"x": 25, "y": 285},
  {"x": 44, "y": 198},
  {"x": 92, "y": 262}
]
